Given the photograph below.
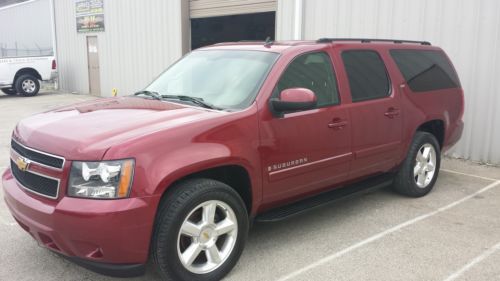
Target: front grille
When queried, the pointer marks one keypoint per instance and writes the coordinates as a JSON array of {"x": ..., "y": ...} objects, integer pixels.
[
  {"x": 36, "y": 156},
  {"x": 38, "y": 184}
]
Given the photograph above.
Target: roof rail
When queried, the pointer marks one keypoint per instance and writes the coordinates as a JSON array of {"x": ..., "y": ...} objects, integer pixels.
[{"x": 368, "y": 40}]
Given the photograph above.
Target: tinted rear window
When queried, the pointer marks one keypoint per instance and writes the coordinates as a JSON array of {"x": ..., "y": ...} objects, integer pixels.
[
  {"x": 425, "y": 70},
  {"x": 367, "y": 75}
]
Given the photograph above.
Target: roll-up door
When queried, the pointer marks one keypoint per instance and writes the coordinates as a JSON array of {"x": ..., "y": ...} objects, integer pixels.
[{"x": 215, "y": 8}]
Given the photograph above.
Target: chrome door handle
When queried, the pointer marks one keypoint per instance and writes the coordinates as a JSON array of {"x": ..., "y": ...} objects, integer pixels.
[
  {"x": 337, "y": 124},
  {"x": 392, "y": 112}
]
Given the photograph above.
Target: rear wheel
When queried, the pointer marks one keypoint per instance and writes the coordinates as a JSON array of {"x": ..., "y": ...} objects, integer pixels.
[
  {"x": 420, "y": 170},
  {"x": 27, "y": 85},
  {"x": 9, "y": 91},
  {"x": 200, "y": 231}
]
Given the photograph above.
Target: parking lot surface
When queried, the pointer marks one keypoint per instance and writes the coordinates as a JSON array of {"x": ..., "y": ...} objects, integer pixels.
[{"x": 451, "y": 234}]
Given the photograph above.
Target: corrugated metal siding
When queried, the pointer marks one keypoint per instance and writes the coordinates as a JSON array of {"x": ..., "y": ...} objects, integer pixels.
[
  {"x": 71, "y": 49},
  {"x": 285, "y": 20},
  {"x": 19, "y": 36},
  {"x": 140, "y": 41},
  {"x": 213, "y": 8},
  {"x": 469, "y": 31}
]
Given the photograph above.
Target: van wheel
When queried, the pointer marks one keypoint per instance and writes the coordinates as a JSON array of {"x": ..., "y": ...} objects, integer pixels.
[
  {"x": 420, "y": 169},
  {"x": 9, "y": 91},
  {"x": 200, "y": 231},
  {"x": 27, "y": 85}
]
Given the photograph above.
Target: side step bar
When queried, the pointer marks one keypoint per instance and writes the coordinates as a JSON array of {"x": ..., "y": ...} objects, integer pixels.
[{"x": 340, "y": 193}]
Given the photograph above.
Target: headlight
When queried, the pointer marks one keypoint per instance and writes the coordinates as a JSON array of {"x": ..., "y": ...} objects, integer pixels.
[{"x": 102, "y": 180}]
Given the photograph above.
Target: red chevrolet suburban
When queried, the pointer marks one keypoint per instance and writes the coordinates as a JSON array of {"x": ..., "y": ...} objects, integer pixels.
[{"x": 230, "y": 134}]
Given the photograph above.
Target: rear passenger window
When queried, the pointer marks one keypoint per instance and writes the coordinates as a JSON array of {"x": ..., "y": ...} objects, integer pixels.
[
  {"x": 312, "y": 71},
  {"x": 367, "y": 75},
  {"x": 425, "y": 70}
]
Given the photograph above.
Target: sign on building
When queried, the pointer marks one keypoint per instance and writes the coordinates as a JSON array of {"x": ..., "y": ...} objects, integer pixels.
[{"x": 89, "y": 15}]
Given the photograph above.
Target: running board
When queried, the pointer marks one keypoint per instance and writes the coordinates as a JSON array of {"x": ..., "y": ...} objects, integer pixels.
[{"x": 337, "y": 194}]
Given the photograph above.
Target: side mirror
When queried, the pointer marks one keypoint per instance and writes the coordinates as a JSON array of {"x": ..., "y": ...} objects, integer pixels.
[{"x": 293, "y": 99}]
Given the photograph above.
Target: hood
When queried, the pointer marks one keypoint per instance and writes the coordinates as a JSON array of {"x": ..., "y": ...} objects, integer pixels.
[{"x": 86, "y": 130}]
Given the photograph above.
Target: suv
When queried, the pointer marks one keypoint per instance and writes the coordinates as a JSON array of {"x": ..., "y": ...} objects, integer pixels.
[{"x": 231, "y": 133}]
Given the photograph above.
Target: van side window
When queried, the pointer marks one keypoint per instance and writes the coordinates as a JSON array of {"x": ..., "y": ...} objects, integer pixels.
[
  {"x": 425, "y": 70},
  {"x": 313, "y": 71},
  {"x": 367, "y": 75}
]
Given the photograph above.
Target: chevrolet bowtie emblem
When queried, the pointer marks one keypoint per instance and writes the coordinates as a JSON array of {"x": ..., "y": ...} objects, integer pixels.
[{"x": 22, "y": 163}]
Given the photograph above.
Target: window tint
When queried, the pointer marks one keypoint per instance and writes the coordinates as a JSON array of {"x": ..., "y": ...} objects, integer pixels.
[
  {"x": 367, "y": 75},
  {"x": 425, "y": 70},
  {"x": 314, "y": 72}
]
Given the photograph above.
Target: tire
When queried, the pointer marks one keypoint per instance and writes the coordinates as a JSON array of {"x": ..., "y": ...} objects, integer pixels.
[
  {"x": 27, "y": 85},
  {"x": 9, "y": 91},
  {"x": 416, "y": 178},
  {"x": 185, "y": 203}
]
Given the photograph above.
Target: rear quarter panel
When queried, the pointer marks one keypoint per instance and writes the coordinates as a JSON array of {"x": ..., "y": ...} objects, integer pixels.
[{"x": 446, "y": 105}]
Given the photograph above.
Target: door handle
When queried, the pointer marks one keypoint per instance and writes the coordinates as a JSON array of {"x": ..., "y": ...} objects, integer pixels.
[
  {"x": 391, "y": 112},
  {"x": 337, "y": 124}
]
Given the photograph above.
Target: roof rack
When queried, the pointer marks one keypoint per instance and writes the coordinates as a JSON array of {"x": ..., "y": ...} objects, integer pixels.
[{"x": 368, "y": 40}]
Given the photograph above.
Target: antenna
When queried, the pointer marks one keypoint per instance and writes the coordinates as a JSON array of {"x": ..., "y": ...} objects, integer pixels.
[{"x": 268, "y": 42}]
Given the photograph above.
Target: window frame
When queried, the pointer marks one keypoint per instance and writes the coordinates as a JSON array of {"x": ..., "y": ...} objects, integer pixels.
[
  {"x": 275, "y": 94},
  {"x": 387, "y": 74}
]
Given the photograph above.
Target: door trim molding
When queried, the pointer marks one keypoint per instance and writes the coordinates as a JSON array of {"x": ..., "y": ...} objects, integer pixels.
[{"x": 307, "y": 167}]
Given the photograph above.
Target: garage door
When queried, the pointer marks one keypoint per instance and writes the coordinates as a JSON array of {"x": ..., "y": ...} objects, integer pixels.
[{"x": 215, "y": 8}]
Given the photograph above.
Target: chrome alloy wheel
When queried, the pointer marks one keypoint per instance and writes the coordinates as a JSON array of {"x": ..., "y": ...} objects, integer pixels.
[
  {"x": 425, "y": 165},
  {"x": 28, "y": 86},
  {"x": 207, "y": 237}
]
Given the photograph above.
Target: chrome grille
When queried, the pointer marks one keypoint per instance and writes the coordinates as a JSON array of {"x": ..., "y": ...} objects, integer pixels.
[
  {"x": 40, "y": 157},
  {"x": 36, "y": 183},
  {"x": 29, "y": 168}
]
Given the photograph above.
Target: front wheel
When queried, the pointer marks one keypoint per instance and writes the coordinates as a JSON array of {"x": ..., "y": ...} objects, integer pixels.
[
  {"x": 200, "y": 231},
  {"x": 419, "y": 171},
  {"x": 27, "y": 85}
]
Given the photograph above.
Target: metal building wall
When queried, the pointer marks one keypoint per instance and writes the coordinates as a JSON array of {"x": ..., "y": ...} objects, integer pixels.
[
  {"x": 19, "y": 36},
  {"x": 216, "y": 8},
  {"x": 469, "y": 31},
  {"x": 140, "y": 40},
  {"x": 286, "y": 19}
]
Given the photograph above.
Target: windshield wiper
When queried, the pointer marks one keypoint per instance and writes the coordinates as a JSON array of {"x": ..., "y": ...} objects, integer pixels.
[
  {"x": 195, "y": 100},
  {"x": 151, "y": 94}
]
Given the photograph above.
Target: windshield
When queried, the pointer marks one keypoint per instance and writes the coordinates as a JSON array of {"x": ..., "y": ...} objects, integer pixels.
[{"x": 228, "y": 79}]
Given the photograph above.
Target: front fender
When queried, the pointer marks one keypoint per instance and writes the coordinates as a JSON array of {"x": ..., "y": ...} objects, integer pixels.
[
  {"x": 165, "y": 156},
  {"x": 197, "y": 158}
]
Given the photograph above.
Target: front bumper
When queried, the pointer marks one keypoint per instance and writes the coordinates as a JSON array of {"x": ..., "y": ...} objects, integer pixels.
[
  {"x": 54, "y": 75},
  {"x": 102, "y": 235}
]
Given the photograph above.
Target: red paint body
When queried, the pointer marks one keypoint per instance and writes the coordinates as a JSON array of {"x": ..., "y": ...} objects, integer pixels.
[{"x": 341, "y": 143}]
